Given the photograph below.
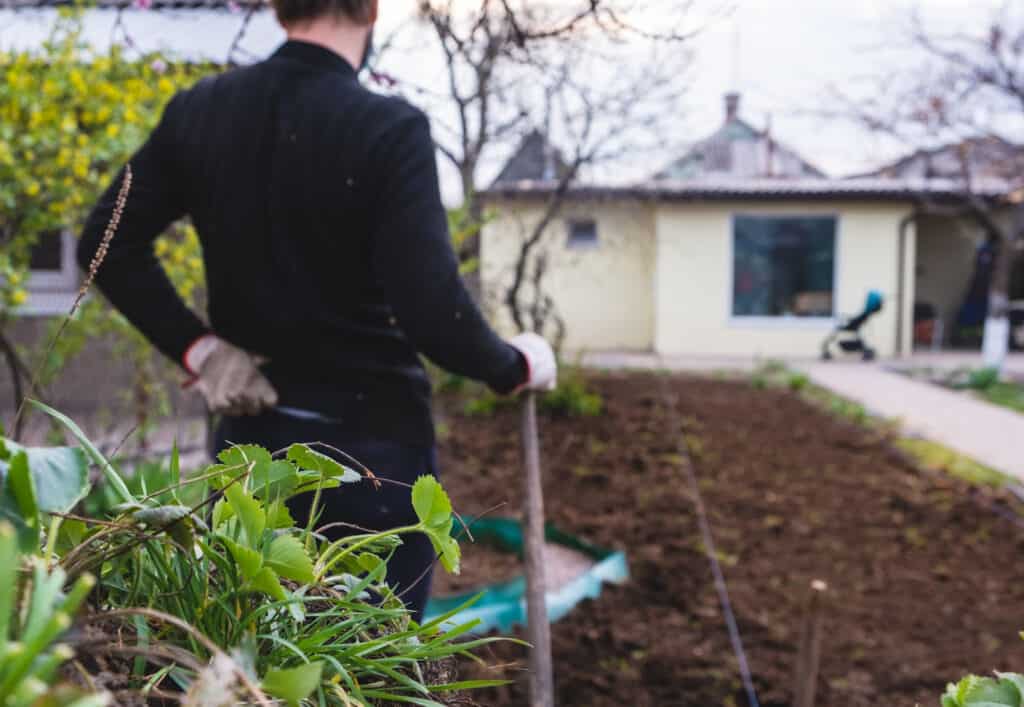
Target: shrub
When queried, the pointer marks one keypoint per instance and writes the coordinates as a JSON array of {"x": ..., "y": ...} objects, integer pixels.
[{"x": 983, "y": 378}]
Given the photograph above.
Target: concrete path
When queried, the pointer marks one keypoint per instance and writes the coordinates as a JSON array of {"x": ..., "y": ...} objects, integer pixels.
[{"x": 985, "y": 432}]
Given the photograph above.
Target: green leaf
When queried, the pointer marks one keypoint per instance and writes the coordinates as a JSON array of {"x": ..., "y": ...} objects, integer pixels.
[
  {"x": 61, "y": 476},
  {"x": 177, "y": 521},
  {"x": 72, "y": 533},
  {"x": 57, "y": 479},
  {"x": 248, "y": 560},
  {"x": 242, "y": 455},
  {"x": 468, "y": 685},
  {"x": 266, "y": 581},
  {"x": 293, "y": 684},
  {"x": 222, "y": 512},
  {"x": 278, "y": 516},
  {"x": 20, "y": 488},
  {"x": 975, "y": 691},
  {"x": 307, "y": 458},
  {"x": 246, "y": 456},
  {"x": 8, "y": 579},
  {"x": 175, "y": 467},
  {"x": 274, "y": 481},
  {"x": 113, "y": 478},
  {"x": 1015, "y": 679},
  {"x": 431, "y": 503},
  {"x": 288, "y": 558},
  {"x": 451, "y": 554},
  {"x": 163, "y": 516},
  {"x": 28, "y": 538},
  {"x": 249, "y": 513},
  {"x": 368, "y": 562}
]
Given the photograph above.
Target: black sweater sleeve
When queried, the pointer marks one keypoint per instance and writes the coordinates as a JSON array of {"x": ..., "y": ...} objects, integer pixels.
[
  {"x": 414, "y": 261},
  {"x": 130, "y": 276}
]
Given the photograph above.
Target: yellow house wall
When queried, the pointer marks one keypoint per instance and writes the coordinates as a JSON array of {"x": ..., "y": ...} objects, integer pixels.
[
  {"x": 693, "y": 280},
  {"x": 604, "y": 294}
]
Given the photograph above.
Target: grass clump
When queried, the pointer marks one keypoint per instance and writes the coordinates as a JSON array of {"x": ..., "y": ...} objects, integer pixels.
[
  {"x": 573, "y": 397},
  {"x": 937, "y": 457}
]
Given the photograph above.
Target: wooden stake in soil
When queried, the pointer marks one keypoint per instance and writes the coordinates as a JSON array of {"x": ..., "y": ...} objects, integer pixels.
[
  {"x": 809, "y": 654},
  {"x": 542, "y": 688}
]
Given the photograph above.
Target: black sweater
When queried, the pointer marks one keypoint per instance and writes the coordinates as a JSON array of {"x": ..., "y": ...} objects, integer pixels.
[{"x": 324, "y": 238}]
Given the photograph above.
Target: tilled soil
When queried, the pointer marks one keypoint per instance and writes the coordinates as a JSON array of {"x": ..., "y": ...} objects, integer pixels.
[{"x": 925, "y": 577}]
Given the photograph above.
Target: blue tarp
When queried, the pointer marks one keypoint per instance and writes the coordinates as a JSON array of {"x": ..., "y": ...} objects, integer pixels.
[{"x": 503, "y": 606}]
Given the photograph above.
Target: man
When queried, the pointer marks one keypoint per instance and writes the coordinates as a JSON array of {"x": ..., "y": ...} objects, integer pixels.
[{"x": 328, "y": 265}]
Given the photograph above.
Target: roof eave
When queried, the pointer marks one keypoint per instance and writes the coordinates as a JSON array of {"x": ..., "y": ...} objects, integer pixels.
[{"x": 646, "y": 193}]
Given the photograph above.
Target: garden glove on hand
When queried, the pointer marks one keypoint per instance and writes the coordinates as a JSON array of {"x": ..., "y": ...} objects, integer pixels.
[
  {"x": 229, "y": 378},
  {"x": 541, "y": 365}
]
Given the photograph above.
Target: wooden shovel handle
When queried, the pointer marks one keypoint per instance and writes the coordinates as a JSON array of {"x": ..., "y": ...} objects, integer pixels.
[{"x": 542, "y": 689}]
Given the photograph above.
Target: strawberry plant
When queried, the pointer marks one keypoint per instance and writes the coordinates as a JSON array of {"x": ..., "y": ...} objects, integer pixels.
[{"x": 212, "y": 589}]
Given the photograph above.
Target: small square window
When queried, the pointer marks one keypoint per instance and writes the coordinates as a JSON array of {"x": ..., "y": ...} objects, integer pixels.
[
  {"x": 583, "y": 234},
  {"x": 53, "y": 275},
  {"x": 48, "y": 252}
]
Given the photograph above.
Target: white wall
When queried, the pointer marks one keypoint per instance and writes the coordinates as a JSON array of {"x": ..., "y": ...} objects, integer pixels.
[
  {"x": 693, "y": 284},
  {"x": 604, "y": 294}
]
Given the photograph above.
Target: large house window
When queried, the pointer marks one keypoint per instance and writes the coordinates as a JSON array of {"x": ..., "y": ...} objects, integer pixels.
[
  {"x": 784, "y": 266},
  {"x": 583, "y": 234}
]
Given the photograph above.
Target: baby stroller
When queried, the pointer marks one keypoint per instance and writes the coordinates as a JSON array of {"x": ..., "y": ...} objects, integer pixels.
[{"x": 847, "y": 333}]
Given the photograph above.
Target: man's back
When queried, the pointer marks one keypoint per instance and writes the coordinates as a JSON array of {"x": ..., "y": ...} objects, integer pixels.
[{"x": 324, "y": 240}]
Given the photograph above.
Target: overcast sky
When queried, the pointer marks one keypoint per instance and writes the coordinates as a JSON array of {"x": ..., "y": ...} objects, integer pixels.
[{"x": 782, "y": 55}]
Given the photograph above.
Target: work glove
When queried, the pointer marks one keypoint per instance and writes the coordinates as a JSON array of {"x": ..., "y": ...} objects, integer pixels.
[
  {"x": 541, "y": 364},
  {"x": 229, "y": 378}
]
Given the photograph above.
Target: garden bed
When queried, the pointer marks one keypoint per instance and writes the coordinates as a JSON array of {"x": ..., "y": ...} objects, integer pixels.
[{"x": 926, "y": 579}]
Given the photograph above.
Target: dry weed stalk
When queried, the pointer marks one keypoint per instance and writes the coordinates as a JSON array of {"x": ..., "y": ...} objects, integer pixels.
[{"x": 97, "y": 260}]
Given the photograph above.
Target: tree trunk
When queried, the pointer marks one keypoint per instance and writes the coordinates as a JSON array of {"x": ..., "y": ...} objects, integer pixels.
[{"x": 471, "y": 248}]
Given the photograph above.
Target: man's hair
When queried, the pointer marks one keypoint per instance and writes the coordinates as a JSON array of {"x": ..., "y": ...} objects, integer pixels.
[{"x": 289, "y": 11}]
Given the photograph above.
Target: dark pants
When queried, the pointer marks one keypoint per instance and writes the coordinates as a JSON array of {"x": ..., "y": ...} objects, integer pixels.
[{"x": 410, "y": 569}]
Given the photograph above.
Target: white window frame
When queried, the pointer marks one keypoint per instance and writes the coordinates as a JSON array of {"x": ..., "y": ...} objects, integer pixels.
[
  {"x": 52, "y": 292},
  {"x": 581, "y": 245},
  {"x": 783, "y": 321}
]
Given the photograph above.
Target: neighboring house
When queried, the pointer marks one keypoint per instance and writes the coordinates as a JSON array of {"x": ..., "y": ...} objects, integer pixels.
[{"x": 739, "y": 247}]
